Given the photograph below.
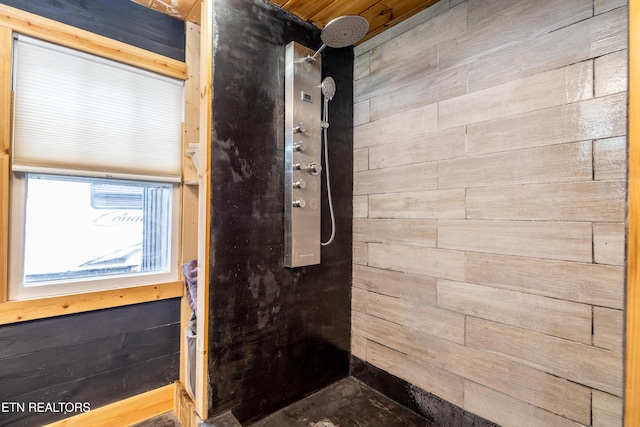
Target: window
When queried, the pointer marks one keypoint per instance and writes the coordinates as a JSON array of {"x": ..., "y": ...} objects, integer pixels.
[{"x": 96, "y": 167}]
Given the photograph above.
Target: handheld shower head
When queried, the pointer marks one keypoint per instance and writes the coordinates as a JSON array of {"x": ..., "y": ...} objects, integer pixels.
[
  {"x": 328, "y": 88},
  {"x": 342, "y": 32}
]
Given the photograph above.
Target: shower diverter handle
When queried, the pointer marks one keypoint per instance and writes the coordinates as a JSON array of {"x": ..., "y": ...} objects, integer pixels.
[
  {"x": 301, "y": 128},
  {"x": 313, "y": 168}
]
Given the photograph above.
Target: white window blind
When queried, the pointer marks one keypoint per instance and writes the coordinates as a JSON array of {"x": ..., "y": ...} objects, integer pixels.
[{"x": 79, "y": 112}]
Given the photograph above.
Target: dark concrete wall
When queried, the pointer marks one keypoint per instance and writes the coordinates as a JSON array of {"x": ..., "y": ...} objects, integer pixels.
[
  {"x": 103, "y": 356},
  {"x": 276, "y": 333}
]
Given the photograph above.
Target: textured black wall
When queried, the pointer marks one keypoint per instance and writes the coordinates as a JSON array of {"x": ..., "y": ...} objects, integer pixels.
[
  {"x": 276, "y": 333},
  {"x": 103, "y": 356}
]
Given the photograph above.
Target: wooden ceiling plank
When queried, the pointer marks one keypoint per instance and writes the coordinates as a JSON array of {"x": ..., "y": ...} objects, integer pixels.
[
  {"x": 381, "y": 14},
  {"x": 403, "y": 7},
  {"x": 195, "y": 14},
  {"x": 341, "y": 8},
  {"x": 184, "y": 7},
  {"x": 305, "y": 9},
  {"x": 378, "y": 15},
  {"x": 161, "y": 7}
]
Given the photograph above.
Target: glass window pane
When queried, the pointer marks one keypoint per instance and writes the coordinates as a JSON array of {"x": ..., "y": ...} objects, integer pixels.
[{"x": 86, "y": 228}]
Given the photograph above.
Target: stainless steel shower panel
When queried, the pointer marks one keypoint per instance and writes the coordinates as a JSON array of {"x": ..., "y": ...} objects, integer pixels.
[{"x": 303, "y": 151}]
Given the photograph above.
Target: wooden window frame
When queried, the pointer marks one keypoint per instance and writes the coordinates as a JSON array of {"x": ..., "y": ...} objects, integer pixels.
[{"x": 15, "y": 20}]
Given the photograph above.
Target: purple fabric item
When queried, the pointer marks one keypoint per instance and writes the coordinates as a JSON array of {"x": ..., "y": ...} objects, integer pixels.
[{"x": 190, "y": 271}]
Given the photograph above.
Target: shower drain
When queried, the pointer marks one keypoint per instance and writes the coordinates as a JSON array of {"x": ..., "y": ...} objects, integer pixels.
[{"x": 324, "y": 423}]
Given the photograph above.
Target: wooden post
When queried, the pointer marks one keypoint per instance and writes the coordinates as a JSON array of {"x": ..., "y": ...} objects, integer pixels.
[{"x": 632, "y": 380}]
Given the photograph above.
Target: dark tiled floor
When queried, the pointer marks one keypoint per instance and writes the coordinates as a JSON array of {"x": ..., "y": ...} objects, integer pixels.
[
  {"x": 164, "y": 420},
  {"x": 346, "y": 403}
]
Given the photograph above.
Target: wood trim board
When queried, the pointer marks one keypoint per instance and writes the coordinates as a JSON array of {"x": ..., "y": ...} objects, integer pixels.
[
  {"x": 24, "y": 310},
  {"x": 632, "y": 360},
  {"x": 204, "y": 208},
  {"x": 125, "y": 412},
  {"x": 6, "y": 48}
]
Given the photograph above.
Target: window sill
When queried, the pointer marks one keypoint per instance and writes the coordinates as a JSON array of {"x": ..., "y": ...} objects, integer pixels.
[{"x": 24, "y": 310}]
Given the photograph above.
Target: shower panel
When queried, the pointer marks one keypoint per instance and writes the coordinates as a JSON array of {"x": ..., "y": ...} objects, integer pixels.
[{"x": 303, "y": 150}]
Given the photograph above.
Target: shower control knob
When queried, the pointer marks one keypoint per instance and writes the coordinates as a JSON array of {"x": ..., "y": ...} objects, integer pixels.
[
  {"x": 300, "y": 184},
  {"x": 300, "y": 146},
  {"x": 300, "y": 167},
  {"x": 300, "y": 203},
  {"x": 314, "y": 168},
  {"x": 301, "y": 128}
]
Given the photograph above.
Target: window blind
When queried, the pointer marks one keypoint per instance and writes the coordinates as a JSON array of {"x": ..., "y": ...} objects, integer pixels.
[{"x": 76, "y": 111}]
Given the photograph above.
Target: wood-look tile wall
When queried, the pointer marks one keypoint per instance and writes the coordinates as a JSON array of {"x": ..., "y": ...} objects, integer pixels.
[{"x": 489, "y": 207}]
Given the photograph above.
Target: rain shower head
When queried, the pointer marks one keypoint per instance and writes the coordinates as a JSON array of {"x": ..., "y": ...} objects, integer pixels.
[
  {"x": 342, "y": 32},
  {"x": 328, "y": 88}
]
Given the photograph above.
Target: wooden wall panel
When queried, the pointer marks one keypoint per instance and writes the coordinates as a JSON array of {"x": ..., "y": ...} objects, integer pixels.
[
  {"x": 575, "y": 201},
  {"x": 392, "y": 64},
  {"x": 406, "y": 178},
  {"x": 421, "y": 204},
  {"x": 570, "y": 241},
  {"x": 522, "y": 117},
  {"x": 601, "y": 6},
  {"x": 432, "y": 88},
  {"x": 418, "y": 260},
  {"x": 610, "y": 159},
  {"x": 360, "y": 159},
  {"x": 508, "y": 411},
  {"x": 565, "y": 162},
  {"x": 401, "y": 338},
  {"x": 360, "y": 206},
  {"x": 608, "y": 243},
  {"x": 607, "y": 410},
  {"x": 519, "y": 21},
  {"x": 593, "y": 284},
  {"x": 120, "y": 20},
  {"x": 593, "y": 367},
  {"x": 592, "y": 119},
  {"x": 425, "y": 148},
  {"x": 608, "y": 325},
  {"x": 547, "y": 315},
  {"x": 410, "y": 287},
  {"x": 423, "y": 120},
  {"x": 549, "y": 89},
  {"x": 396, "y": 231},
  {"x": 611, "y": 73},
  {"x": 419, "y": 372},
  {"x": 430, "y": 320},
  {"x": 515, "y": 379},
  {"x": 572, "y": 44},
  {"x": 98, "y": 357}
]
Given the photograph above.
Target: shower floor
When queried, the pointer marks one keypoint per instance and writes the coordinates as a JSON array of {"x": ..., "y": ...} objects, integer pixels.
[{"x": 346, "y": 403}]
